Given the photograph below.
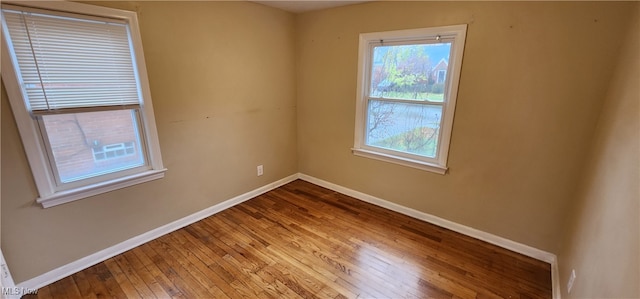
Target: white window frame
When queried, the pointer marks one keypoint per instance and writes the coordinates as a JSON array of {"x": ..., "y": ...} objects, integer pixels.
[
  {"x": 457, "y": 35},
  {"x": 49, "y": 193}
]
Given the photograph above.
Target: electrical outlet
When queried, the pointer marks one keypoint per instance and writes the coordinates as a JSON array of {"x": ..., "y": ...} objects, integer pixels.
[
  {"x": 260, "y": 170},
  {"x": 572, "y": 278}
]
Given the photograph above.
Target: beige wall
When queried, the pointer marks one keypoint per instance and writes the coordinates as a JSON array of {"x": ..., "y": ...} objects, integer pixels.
[
  {"x": 222, "y": 82},
  {"x": 532, "y": 83},
  {"x": 603, "y": 240}
]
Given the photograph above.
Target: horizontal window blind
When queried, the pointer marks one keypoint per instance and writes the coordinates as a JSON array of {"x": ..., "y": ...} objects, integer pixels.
[{"x": 71, "y": 61}]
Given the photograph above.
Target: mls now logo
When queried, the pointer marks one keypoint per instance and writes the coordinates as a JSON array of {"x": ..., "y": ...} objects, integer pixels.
[{"x": 17, "y": 291}]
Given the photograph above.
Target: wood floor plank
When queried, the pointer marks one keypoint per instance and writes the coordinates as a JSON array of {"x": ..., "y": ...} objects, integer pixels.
[
  {"x": 402, "y": 240},
  {"x": 103, "y": 283},
  {"x": 143, "y": 275},
  {"x": 182, "y": 265},
  {"x": 283, "y": 253},
  {"x": 44, "y": 293},
  {"x": 84, "y": 287},
  {"x": 304, "y": 241},
  {"x": 179, "y": 267},
  {"x": 461, "y": 291},
  {"x": 169, "y": 288},
  {"x": 246, "y": 234},
  {"x": 301, "y": 279},
  {"x": 195, "y": 258},
  {"x": 131, "y": 275},
  {"x": 187, "y": 287},
  {"x": 124, "y": 283},
  {"x": 70, "y": 288},
  {"x": 292, "y": 253},
  {"x": 235, "y": 263},
  {"x": 58, "y": 290}
]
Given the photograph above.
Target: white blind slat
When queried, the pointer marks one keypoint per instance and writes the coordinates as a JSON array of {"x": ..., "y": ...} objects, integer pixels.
[{"x": 72, "y": 62}]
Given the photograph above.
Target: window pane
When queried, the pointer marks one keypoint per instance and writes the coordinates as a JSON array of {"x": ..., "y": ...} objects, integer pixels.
[
  {"x": 89, "y": 144},
  {"x": 405, "y": 127},
  {"x": 410, "y": 72}
]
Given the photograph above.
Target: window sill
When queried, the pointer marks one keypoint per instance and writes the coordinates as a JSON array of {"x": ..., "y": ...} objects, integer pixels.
[
  {"x": 66, "y": 196},
  {"x": 400, "y": 160}
]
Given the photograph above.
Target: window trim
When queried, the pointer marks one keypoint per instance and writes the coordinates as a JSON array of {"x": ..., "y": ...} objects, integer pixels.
[
  {"x": 36, "y": 152},
  {"x": 439, "y": 164}
]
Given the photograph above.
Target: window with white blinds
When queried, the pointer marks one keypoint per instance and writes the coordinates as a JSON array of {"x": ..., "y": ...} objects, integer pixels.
[
  {"x": 77, "y": 83},
  {"x": 71, "y": 61}
]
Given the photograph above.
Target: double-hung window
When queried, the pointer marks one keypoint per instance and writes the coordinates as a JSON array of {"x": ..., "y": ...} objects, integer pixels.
[
  {"x": 406, "y": 95},
  {"x": 77, "y": 84}
]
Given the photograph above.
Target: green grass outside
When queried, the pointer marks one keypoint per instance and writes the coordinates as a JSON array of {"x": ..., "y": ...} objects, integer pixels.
[
  {"x": 421, "y": 96},
  {"x": 415, "y": 141}
]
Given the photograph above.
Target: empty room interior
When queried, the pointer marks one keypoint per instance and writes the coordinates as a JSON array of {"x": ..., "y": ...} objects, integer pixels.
[{"x": 350, "y": 149}]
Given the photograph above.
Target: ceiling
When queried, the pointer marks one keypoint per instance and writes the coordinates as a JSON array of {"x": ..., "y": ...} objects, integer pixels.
[{"x": 300, "y": 6}]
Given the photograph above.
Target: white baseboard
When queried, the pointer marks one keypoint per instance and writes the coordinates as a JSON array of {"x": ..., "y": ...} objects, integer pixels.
[
  {"x": 555, "y": 278},
  {"x": 102, "y": 255},
  {"x": 463, "y": 229}
]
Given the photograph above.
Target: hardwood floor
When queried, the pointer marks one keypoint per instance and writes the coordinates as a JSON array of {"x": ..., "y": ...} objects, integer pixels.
[{"x": 302, "y": 240}]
